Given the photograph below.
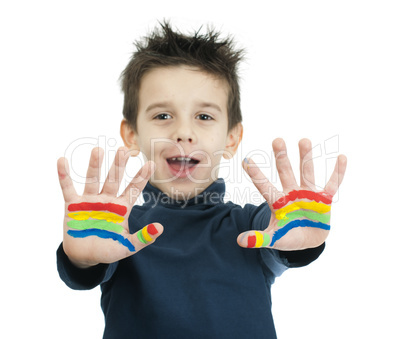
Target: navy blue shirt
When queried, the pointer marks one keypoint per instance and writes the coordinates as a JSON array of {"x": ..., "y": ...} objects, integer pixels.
[{"x": 194, "y": 281}]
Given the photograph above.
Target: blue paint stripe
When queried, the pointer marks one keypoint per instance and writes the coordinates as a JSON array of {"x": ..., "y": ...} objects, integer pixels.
[
  {"x": 102, "y": 234},
  {"x": 297, "y": 223}
]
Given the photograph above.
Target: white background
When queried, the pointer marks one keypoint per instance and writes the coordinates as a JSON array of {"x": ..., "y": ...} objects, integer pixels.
[{"x": 327, "y": 70}]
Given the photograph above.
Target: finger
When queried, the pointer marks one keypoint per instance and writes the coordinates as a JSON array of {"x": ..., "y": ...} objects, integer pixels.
[
  {"x": 267, "y": 190},
  {"x": 92, "y": 180},
  {"x": 116, "y": 172},
  {"x": 283, "y": 165},
  {"x": 146, "y": 236},
  {"x": 135, "y": 187},
  {"x": 66, "y": 183},
  {"x": 307, "y": 179},
  {"x": 337, "y": 176},
  {"x": 254, "y": 239}
]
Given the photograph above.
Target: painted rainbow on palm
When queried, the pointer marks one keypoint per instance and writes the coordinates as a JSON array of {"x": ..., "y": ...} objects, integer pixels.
[
  {"x": 98, "y": 219},
  {"x": 300, "y": 208},
  {"x": 293, "y": 212}
]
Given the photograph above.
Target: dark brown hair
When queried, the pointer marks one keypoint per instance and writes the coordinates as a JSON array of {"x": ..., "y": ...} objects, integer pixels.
[{"x": 165, "y": 47}]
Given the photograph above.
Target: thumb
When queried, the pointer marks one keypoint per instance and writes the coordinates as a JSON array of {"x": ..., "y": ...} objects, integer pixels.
[
  {"x": 146, "y": 236},
  {"x": 254, "y": 239}
]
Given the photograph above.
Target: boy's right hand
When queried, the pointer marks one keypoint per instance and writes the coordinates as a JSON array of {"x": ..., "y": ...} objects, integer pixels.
[{"x": 96, "y": 224}]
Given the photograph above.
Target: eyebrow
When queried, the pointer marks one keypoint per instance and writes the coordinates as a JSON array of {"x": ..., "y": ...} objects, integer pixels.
[
  {"x": 165, "y": 104},
  {"x": 209, "y": 104}
]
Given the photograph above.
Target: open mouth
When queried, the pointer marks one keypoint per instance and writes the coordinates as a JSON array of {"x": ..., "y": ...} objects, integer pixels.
[{"x": 181, "y": 166}]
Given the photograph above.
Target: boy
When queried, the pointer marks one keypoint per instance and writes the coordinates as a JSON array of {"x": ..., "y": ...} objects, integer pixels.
[{"x": 199, "y": 280}]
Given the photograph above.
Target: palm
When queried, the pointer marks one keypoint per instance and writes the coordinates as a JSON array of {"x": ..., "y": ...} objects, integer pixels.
[
  {"x": 299, "y": 215},
  {"x": 93, "y": 248},
  {"x": 96, "y": 224}
]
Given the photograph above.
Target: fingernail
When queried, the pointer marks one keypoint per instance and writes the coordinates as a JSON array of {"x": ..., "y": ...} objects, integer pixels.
[
  {"x": 246, "y": 161},
  {"x": 251, "y": 241},
  {"x": 152, "y": 229}
]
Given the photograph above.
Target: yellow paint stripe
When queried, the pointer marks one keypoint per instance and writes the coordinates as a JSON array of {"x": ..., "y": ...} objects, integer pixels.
[
  {"x": 145, "y": 234},
  {"x": 83, "y": 215},
  {"x": 314, "y": 206},
  {"x": 259, "y": 239}
]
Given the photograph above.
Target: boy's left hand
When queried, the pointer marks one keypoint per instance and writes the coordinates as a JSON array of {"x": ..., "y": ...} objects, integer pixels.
[{"x": 300, "y": 214}]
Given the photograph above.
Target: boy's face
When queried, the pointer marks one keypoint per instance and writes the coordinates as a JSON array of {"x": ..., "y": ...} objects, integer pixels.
[{"x": 182, "y": 126}]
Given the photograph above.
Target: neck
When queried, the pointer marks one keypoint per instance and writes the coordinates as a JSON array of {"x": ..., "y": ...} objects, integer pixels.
[{"x": 211, "y": 195}]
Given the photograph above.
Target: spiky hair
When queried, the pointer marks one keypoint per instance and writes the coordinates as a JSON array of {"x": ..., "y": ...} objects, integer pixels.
[{"x": 165, "y": 47}]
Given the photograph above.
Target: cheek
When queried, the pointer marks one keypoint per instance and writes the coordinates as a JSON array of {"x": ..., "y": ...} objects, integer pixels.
[
  {"x": 218, "y": 145},
  {"x": 215, "y": 147},
  {"x": 144, "y": 147},
  {"x": 148, "y": 144}
]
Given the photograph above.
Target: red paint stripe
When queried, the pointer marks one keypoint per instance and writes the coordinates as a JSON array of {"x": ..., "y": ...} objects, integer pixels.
[
  {"x": 98, "y": 206},
  {"x": 151, "y": 229},
  {"x": 251, "y": 241},
  {"x": 303, "y": 194}
]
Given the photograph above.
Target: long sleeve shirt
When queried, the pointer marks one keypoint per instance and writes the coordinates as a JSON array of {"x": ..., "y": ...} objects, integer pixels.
[{"x": 195, "y": 281}]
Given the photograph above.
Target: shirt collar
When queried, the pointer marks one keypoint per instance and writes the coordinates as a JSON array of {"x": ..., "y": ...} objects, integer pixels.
[{"x": 212, "y": 195}]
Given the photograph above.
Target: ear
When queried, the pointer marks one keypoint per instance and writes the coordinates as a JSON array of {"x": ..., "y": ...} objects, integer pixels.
[
  {"x": 233, "y": 141},
  {"x": 129, "y": 137}
]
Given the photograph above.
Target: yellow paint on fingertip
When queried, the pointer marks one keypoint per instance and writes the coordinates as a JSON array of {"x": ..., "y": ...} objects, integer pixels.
[
  {"x": 145, "y": 235},
  {"x": 259, "y": 239},
  {"x": 83, "y": 215},
  {"x": 314, "y": 206}
]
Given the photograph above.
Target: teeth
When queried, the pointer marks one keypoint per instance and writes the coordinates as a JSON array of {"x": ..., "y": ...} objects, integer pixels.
[{"x": 181, "y": 159}]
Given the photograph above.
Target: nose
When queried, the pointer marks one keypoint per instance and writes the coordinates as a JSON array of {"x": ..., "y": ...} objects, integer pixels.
[
  {"x": 189, "y": 139},
  {"x": 184, "y": 133}
]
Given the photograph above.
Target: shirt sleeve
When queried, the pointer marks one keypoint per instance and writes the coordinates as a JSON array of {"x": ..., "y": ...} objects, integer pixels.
[
  {"x": 82, "y": 279},
  {"x": 278, "y": 261}
]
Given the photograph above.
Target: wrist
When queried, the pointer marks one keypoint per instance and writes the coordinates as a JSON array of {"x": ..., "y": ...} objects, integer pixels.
[
  {"x": 81, "y": 264},
  {"x": 78, "y": 263}
]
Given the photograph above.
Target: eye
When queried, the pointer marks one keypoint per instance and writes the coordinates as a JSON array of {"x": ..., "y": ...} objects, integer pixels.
[
  {"x": 203, "y": 116},
  {"x": 163, "y": 116}
]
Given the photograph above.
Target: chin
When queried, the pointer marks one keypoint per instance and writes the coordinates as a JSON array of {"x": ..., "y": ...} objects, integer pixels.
[{"x": 183, "y": 188}]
